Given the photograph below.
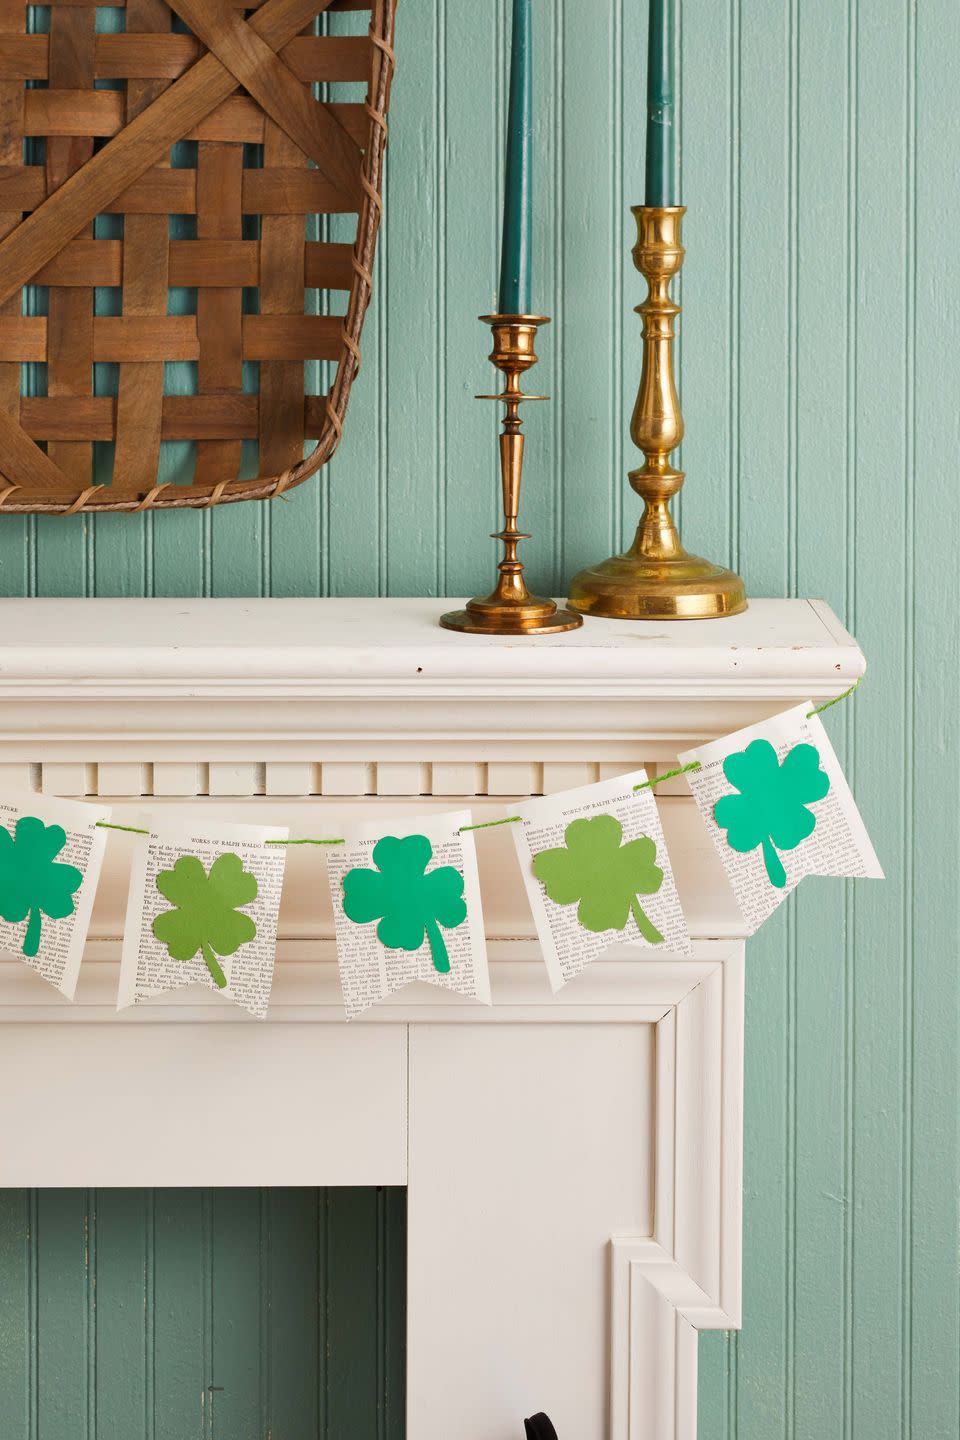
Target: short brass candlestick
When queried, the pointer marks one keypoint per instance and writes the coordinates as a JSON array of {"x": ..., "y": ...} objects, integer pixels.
[
  {"x": 656, "y": 579},
  {"x": 511, "y": 609}
]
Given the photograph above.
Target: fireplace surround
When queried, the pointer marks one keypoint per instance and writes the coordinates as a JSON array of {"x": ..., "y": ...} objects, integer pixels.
[{"x": 572, "y": 1162}]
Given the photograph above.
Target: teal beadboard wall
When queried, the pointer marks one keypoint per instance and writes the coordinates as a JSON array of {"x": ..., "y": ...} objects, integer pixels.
[
  {"x": 820, "y": 385},
  {"x": 202, "y": 1314}
]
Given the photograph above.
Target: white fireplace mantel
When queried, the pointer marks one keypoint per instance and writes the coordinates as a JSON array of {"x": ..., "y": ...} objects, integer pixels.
[{"x": 573, "y": 1163}]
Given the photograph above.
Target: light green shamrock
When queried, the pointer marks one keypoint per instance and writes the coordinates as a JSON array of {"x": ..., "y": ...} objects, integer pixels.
[
  {"x": 771, "y": 809},
  {"x": 31, "y": 881},
  {"x": 410, "y": 901},
  {"x": 206, "y": 917},
  {"x": 603, "y": 875}
]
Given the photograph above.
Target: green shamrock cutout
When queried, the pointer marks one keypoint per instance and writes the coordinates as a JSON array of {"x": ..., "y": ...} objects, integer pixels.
[
  {"x": 206, "y": 916},
  {"x": 771, "y": 809},
  {"x": 410, "y": 901},
  {"x": 32, "y": 882},
  {"x": 603, "y": 875}
]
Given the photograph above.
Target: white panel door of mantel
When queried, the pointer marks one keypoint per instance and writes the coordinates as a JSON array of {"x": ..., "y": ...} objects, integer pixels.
[{"x": 573, "y": 1163}]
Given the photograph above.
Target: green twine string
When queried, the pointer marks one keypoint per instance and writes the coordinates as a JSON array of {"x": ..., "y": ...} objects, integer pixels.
[
  {"x": 136, "y": 830},
  {"x": 835, "y": 701},
  {"x": 668, "y": 775},
  {"x": 489, "y": 824},
  {"x": 509, "y": 819},
  {"x": 695, "y": 764}
]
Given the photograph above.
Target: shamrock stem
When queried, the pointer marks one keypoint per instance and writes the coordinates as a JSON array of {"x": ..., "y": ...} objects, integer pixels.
[
  {"x": 213, "y": 965},
  {"x": 775, "y": 870},
  {"x": 438, "y": 949},
  {"x": 31, "y": 941},
  {"x": 645, "y": 925}
]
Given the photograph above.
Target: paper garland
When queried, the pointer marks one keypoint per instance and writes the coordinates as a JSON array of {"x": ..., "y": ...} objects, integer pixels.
[
  {"x": 772, "y": 807},
  {"x": 410, "y": 901},
  {"x": 51, "y": 852},
  {"x": 406, "y": 906},
  {"x": 777, "y": 806},
  {"x": 202, "y": 908},
  {"x": 597, "y": 873},
  {"x": 205, "y": 917},
  {"x": 204, "y": 897}
]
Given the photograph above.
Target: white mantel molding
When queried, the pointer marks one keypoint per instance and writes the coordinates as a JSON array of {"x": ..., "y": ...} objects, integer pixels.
[
  {"x": 292, "y": 671},
  {"x": 306, "y": 712},
  {"x": 395, "y": 648},
  {"x": 308, "y": 992}
]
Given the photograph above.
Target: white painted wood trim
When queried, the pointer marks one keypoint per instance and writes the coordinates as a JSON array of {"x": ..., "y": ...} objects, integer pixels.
[
  {"x": 309, "y": 993},
  {"x": 337, "y": 648},
  {"x": 304, "y": 711},
  {"x": 666, "y": 1286},
  {"x": 686, "y": 1277}
]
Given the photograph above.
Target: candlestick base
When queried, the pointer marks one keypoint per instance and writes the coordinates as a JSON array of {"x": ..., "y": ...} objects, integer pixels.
[
  {"x": 639, "y": 587},
  {"x": 656, "y": 579},
  {"x": 492, "y": 616},
  {"x": 510, "y": 609}
]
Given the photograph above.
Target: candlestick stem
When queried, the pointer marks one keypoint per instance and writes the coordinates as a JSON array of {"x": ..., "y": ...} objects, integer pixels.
[
  {"x": 510, "y": 609},
  {"x": 657, "y": 579}
]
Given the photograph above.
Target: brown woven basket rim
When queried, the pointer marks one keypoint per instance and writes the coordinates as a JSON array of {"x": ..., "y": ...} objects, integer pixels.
[{"x": 97, "y": 499}]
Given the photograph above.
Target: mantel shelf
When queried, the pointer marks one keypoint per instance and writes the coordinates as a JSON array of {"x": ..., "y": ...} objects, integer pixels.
[{"x": 342, "y": 648}]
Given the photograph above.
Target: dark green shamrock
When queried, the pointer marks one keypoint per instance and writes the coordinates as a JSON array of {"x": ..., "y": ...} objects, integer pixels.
[
  {"x": 410, "y": 901},
  {"x": 31, "y": 881},
  {"x": 771, "y": 809},
  {"x": 206, "y": 917},
  {"x": 603, "y": 875}
]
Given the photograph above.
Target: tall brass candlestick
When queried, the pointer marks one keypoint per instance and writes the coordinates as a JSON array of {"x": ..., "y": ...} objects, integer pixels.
[
  {"x": 657, "y": 579},
  {"x": 510, "y": 609}
]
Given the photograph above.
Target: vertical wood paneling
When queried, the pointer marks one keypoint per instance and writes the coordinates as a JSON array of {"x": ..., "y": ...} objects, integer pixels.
[
  {"x": 542, "y": 499},
  {"x": 710, "y": 68},
  {"x": 121, "y": 1313},
  {"x": 471, "y": 259},
  {"x": 818, "y": 372},
  {"x": 240, "y": 1285},
  {"x": 848, "y": 1330},
  {"x": 629, "y": 82},
  {"x": 765, "y": 55},
  {"x": 65, "y": 1243},
  {"x": 585, "y": 388},
  {"x": 930, "y": 1089},
  {"x": 414, "y": 280},
  {"x": 882, "y": 493},
  {"x": 16, "y": 1307},
  {"x": 180, "y": 1275},
  {"x": 220, "y": 1315},
  {"x": 821, "y": 329},
  {"x": 293, "y": 1325},
  {"x": 354, "y": 540}
]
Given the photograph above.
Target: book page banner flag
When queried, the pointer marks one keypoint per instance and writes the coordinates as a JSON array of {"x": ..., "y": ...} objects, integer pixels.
[
  {"x": 51, "y": 852},
  {"x": 202, "y": 908},
  {"x": 597, "y": 874},
  {"x": 778, "y": 807},
  {"x": 406, "y": 906},
  {"x": 204, "y": 896}
]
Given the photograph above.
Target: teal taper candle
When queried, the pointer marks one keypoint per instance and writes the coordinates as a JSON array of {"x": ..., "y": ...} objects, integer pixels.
[
  {"x": 663, "y": 170},
  {"x": 516, "y": 258}
]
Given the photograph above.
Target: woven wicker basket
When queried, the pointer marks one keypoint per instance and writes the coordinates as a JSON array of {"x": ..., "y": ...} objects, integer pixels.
[{"x": 241, "y": 77}]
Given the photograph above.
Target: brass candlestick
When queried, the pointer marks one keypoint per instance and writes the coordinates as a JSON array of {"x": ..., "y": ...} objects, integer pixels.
[
  {"x": 511, "y": 609},
  {"x": 656, "y": 579}
]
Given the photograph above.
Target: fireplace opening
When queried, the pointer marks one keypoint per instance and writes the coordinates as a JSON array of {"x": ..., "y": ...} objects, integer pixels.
[{"x": 219, "y": 1314}]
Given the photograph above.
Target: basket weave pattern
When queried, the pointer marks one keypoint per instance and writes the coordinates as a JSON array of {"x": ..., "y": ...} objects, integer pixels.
[{"x": 241, "y": 77}]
